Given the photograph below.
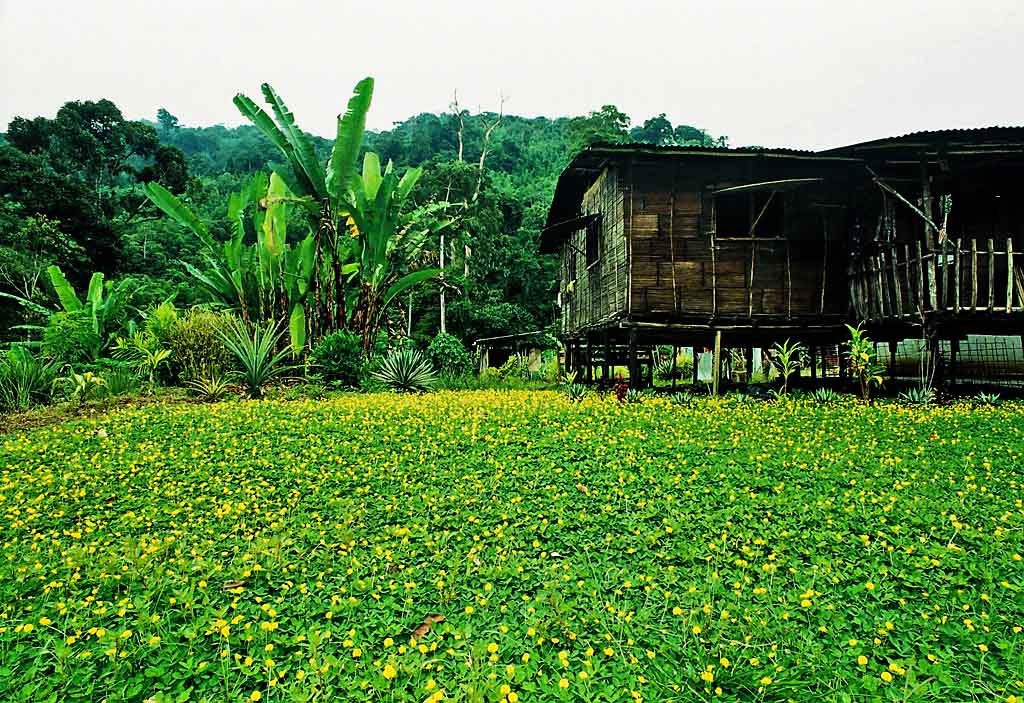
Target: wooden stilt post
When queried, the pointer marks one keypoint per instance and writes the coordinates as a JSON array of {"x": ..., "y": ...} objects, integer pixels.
[
  {"x": 695, "y": 371},
  {"x": 631, "y": 360},
  {"x": 813, "y": 353},
  {"x": 748, "y": 363},
  {"x": 716, "y": 363},
  {"x": 589, "y": 361},
  {"x": 892, "y": 360},
  {"x": 608, "y": 360}
]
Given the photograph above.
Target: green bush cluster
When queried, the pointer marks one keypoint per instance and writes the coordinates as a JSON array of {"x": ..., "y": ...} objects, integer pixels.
[
  {"x": 449, "y": 355},
  {"x": 197, "y": 350},
  {"x": 339, "y": 358}
]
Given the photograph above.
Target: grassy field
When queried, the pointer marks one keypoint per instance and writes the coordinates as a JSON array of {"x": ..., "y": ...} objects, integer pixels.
[{"x": 511, "y": 546}]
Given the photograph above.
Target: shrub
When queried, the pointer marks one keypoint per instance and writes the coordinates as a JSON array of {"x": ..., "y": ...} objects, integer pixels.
[
  {"x": 253, "y": 347},
  {"x": 826, "y": 396},
  {"x": 69, "y": 338},
  {"x": 81, "y": 387},
  {"x": 449, "y": 355},
  {"x": 24, "y": 380},
  {"x": 197, "y": 350},
  {"x": 991, "y": 399},
  {"x": 209, "y": 388},
  {"x": 406, "y": 370},
  {"x": 864, "y": 364},
  {"x": 786, "y": 357},
  {"x": 161, "y": 321},
  {"x": 517, "y": 366},
  {"x": 339, "y": 358},
  {"x": 143, "y": 352},
  {"x": 120, "y": 379},
  {"x": 918, "y": 396}
]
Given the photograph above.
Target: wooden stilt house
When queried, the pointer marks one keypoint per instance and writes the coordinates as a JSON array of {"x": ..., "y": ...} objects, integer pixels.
[
  {"x": 915, "y": 235},
  {"x": 678, "y": 245}
]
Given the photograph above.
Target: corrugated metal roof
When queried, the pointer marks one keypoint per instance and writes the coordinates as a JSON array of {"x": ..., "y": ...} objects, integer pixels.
[
  {"x": 641, "y": 147},
  {"x": 968, "y": 135}
]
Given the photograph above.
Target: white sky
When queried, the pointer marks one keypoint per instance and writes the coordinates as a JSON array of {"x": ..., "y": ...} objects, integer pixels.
[{"x": 783, "y": 73}]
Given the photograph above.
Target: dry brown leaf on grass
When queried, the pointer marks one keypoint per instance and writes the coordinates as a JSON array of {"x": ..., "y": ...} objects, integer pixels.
[
  {"x": 235, "y": 583},
  {"x": 583, "y": 489},
  {"x": 424, "y": 628}
]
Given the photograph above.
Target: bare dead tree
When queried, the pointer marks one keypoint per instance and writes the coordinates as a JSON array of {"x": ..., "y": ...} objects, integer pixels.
[{"x": 488, "y": 130}]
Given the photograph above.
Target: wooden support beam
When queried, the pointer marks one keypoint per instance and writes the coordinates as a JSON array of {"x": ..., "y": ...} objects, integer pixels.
[
  {"x": 694, "y": 372},
  {"x": 675, "y": 359},
  {"x": 1009, "y": 274},
  {"x": 922, "y": 301},
  {"x": 716, "y": 363},
  {"x": 956, "y": 276},
  {"x": 894, "y": 260},
  {"x": 991, "y": 275},
  {"x": 789, "y": 284},
  {"x": 933, "y": 282},
  {"x": 714, "y": 278},
  {"x": 672, "y": 238},
  {"x": 912, "y": 299},
  {"x": 885, "y": 306},
  {"x": 631, "y": 360},
  {"x": 608, "y": 368},
  {"x": 974, "y": 274},
  {"x": 892, "y": 359},
  {"x": 813, "y": 354},
  {"x": 944, "y": 299},
  {"x": 926, "y": 204}
]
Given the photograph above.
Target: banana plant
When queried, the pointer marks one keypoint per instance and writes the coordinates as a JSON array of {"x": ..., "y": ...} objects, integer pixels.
[
  {"x": 389, "y": 240},
  {"x": 267, "y": 280},
  {"x": 328, "y": 297}
]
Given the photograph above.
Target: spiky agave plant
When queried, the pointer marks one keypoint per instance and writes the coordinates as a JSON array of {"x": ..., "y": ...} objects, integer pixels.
[
  {"x": 406, "y": 370},
  {"x": 24, "y": 380},
  {"x": 254, "y": 347}
]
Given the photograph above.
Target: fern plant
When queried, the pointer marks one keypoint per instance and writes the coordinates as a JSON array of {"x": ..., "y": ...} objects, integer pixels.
[{"x": 406, "y": 370}]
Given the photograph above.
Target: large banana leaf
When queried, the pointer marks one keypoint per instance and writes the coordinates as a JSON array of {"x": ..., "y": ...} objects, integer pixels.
[
  {"x": 95, "y": 299},
  {"x": 65, "y": 293},
  {"x": 178, "y": 211},
  {"x": 406, "y": 282},
  {"x": 348, "y": 141},
  {"x": 256, "y": 114},
  {"x": 371, "y": 175},
  {"x": 302, "y": 148},
  {"x": 297, "y": 328}
]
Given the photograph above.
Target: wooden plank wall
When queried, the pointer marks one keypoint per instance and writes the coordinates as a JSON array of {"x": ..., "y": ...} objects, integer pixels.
[
  {"x": 599, "y": 290},
  {"x": 680, "y": 269}
]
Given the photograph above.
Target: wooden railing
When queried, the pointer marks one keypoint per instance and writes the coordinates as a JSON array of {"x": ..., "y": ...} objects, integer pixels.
[{"x": 959, "y": 276}]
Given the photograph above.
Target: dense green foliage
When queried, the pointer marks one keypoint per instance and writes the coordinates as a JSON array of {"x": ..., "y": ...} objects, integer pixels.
[
  {"x": 577, "y": 551},
  {"x": 339, "y": 358},
  {"x": 71, "y": 193}
]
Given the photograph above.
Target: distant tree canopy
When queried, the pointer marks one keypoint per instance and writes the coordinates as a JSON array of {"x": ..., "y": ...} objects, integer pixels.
[{"x": 73, "y": 182}]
